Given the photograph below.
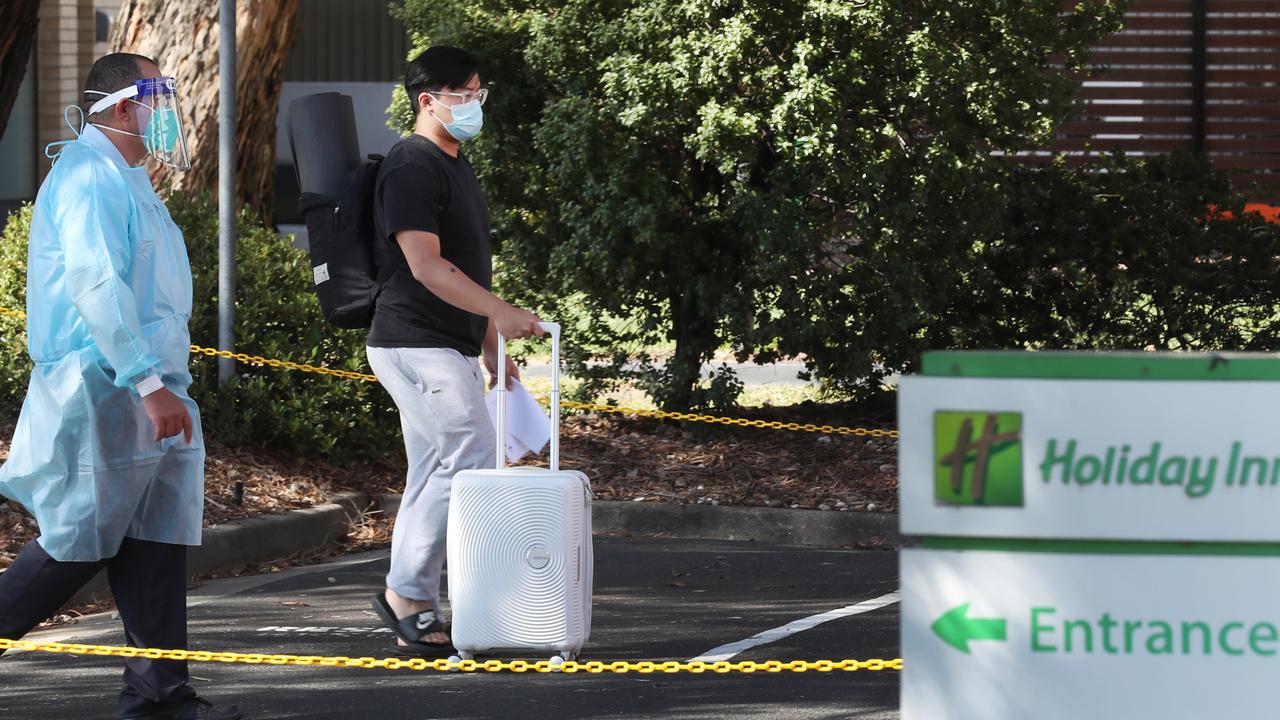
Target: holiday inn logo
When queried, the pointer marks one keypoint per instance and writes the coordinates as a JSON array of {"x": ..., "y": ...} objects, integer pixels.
[
  {"x": 1155, "y": 464},
  {"x": 977, "y": 458}
]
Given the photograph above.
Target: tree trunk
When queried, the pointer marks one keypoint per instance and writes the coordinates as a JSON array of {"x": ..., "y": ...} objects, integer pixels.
[
  {"x": 182, "y": 37},
  {"x": 18, "y": 19},
  {"x": 695, "y": 336}
]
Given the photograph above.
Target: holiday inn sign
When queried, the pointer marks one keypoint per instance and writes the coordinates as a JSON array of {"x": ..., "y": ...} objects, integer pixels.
[
  {"x": 1088, "y": 458},
  {"x": 1092, "y": 535},
  {"x": 978, "y": 461}
]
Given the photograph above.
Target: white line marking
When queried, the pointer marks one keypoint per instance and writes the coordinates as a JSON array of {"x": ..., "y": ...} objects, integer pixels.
[
  {"x": 724, "y": 652},
  {"x": 318, "y": 630}
]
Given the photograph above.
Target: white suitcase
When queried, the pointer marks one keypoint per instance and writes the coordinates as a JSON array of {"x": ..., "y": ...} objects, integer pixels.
[{"x": 520, "y": 554}]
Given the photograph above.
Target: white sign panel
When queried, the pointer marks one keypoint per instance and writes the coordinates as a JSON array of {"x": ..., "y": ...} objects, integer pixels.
[
  {"x": 1019, "y": 635},
  {"x": 1090, "y": 459}
]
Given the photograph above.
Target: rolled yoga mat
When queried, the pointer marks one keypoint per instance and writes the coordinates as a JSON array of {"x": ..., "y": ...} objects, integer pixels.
[{"x": 323, "y": 140}]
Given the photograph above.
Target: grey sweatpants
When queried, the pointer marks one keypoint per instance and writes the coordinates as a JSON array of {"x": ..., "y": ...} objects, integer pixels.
[{"x": 440, "y": 394}]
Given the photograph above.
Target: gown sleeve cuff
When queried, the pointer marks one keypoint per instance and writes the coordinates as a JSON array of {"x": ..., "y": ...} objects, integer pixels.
[{"x": 149, "y": 385}]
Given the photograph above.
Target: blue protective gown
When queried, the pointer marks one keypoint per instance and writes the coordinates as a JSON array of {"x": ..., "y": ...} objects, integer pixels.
[{"x": 108, "y": 300}]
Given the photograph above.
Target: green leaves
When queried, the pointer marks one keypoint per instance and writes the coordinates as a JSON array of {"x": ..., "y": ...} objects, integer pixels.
[
  {"x": 1133, "y": 258},
  {"x": 775, "y": 177},
  {"x": 15, "y": 363},
  {"x": 278, "y": 316}
]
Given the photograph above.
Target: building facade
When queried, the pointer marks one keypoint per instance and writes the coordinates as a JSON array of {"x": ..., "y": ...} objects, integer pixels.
[
  {"x": 68, "y": 39},
  {"x": 348, "y": 46}
]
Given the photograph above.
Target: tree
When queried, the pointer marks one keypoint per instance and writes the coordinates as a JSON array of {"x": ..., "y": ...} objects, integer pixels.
[
  {"x": 183, "y": 39},
  {"x": 18, "y": 20},
  {"x": 781, "y": 177}
]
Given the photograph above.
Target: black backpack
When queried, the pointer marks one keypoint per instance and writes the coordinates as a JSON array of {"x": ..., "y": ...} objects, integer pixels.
[{"x": 341, "y": 235}]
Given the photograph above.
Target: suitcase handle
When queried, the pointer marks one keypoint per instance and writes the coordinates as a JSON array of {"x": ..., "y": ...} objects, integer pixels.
[{"x": 552, "y": 329}]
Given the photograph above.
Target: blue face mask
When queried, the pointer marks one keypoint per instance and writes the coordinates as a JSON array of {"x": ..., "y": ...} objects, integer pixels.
[
  {"x": 161, "y": 133},
  {"x": 468, "y": 119}
]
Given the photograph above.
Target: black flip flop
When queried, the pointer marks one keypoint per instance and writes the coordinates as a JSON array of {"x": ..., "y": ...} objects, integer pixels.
[
  {"x": 410, "y": 628},
  {"x": 426, "y": 651}
]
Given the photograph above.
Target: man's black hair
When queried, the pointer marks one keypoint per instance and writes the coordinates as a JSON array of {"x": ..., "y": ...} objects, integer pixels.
[
  {"x": 436, "y": 69},
  {"x": 111, "y": 73}
]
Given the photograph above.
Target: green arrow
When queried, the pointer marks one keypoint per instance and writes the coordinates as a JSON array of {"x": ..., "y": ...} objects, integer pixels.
[{"x": 956, "y": 628}]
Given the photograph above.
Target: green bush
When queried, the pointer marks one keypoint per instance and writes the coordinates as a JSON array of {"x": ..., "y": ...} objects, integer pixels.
[
  {"x": 1128, "y": 255},
  {"x": 277, "y": 316},
  {"x": 15, "y": 363},
  {"x": 1131, "y": 255}
]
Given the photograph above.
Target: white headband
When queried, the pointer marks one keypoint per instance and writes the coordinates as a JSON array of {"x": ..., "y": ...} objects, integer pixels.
[{"x": 123, "y": 93}]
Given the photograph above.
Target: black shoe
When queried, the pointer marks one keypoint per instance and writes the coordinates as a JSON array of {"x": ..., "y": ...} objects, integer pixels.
[{"x": 194, "y": 709}]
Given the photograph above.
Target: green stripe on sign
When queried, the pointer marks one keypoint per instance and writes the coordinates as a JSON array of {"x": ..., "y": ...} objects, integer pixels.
[
  {"x": 1102, "y": 547},
  {"x": 1063, "y": 365}
]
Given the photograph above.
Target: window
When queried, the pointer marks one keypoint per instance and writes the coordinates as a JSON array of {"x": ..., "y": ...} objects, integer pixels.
[
  {"x": 101, "y": 26},
  {"x": 18, "y": 146}
]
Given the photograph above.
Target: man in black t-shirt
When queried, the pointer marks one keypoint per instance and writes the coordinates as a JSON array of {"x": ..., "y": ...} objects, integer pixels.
[{"x": 435, "y": 315}]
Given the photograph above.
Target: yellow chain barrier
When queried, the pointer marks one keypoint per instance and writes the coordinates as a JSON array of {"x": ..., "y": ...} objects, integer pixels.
[
  {"x": 741, "y": 422},
  {"x": 593, "y": 407},
  {"x": 594, "y": 667},
  {"x": 489, "y": 666},
  {"x": 283, "y": 364}
]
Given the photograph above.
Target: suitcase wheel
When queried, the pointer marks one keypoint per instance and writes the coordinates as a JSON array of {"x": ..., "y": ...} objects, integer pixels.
[{"x": 566, "y": 656}]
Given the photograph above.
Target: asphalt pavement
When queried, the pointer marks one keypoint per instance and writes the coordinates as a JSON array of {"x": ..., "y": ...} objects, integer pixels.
[{"x": 655, "y": 599}]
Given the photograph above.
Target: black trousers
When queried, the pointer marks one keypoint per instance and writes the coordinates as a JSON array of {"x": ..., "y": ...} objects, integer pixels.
[{"x": 149, "y": 582}]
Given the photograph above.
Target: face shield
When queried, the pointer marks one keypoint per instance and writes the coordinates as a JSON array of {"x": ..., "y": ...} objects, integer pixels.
[{"x": 159, "y": 117}]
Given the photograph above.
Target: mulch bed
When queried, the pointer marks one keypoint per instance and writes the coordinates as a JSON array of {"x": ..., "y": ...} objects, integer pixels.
[
  {"x": 626, "y": 459},
  {"x": 657, "y": 462}
]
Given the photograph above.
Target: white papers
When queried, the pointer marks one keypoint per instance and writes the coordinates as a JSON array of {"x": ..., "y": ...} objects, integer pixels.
[{"x": 528, "y": 427}]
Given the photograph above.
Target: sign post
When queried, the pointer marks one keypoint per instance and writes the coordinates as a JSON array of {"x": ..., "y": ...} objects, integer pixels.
[{"x": 1099, "y": 536}]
